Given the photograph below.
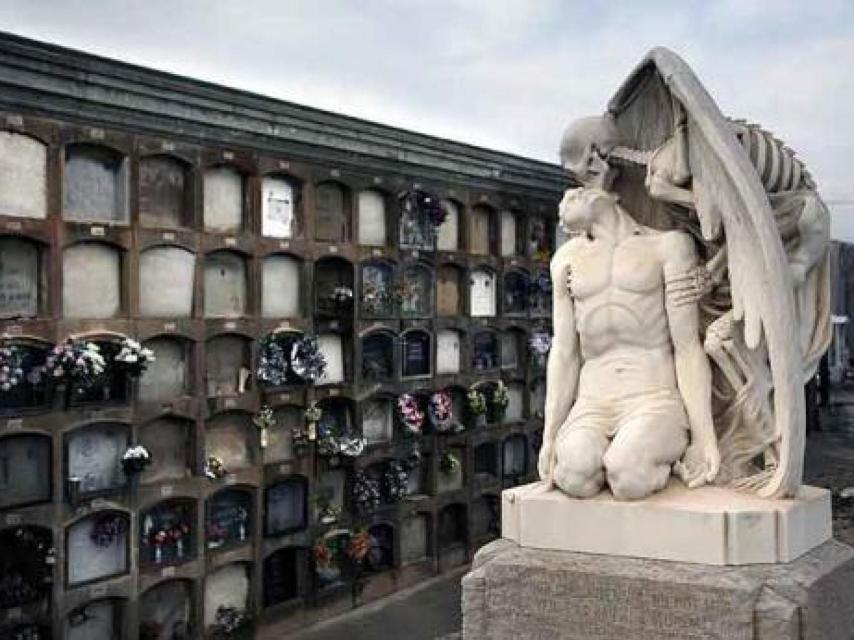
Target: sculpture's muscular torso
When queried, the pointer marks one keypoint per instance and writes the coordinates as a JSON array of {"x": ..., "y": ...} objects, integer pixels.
[{"x": 628, "y": 380}]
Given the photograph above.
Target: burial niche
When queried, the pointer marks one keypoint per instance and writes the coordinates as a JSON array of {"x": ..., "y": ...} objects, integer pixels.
[
  {"x": 511, "y": 234},
  {"x": 515, "y": 459},
  {"x": 226, "y": 588},
  {"x": 169, "y": 441},
  {"x": 223, "y": 200},
  {"x": 280, "y": 199},
  {"x": 415, "y": 353},
  {"x": 94, "y": 457},
  {"x": 480, "y": 230},
  {"x": 22, "y": 281},
  {"x": 516, "y": 286},
  {"x": 414, "y": 539},
  {"x": 515, "y": 411},
  {"x": 166, "y": 282},
  {"x": 91, "y": 280},
  {"x": 539, "y": 239},
  {"x": 372, "y": 218},
  {"x": 332, "y": 212},
  {"x": 168, "y": 376},
  {"x": 97, "y": 547},
  {"x": 96, "y": 184},
  {"x": 484, "y": 350},
  {"x": 26, "y": 566},
  {"x": 448, "y": 351},
  {"x": 329, "y": 498},
  {"x": 331, "y": 345},
  {"x": 512, "y": 342},
  {"x": 378, "y": 357},
  {"x": 225, "y": 285},
  {"x": 486, "y": 461},
  {"x": 482, "y": 293},
  {"x": 333, "y": 283},
  {"x": 165, "y": 192},
  {"x": 541, "y": 294},
  {"x": 286, "y": 506},
  {"x": 485, "y": 520},
  {"x": 25, "y": 470},
  {"x": 448, "y": 236},
  {"x": 416, "y": 230},
  {"x": 451, "y": 476},
  {"x": 281, "y": 576},
  {"x": 23, "y": 176},
  {"x": 416, "y": 291},
  {"x": 167, "y": 533},
  {"x": 378, "y": 293},
  {"x": 280, "y": 439},
  {"x": 113, "y": 385},
  {"x": 448, "y": 290},
  {"x": 226, "y": 365},
  {"x": 280, "y": 294},
  {"x": 97, "y": 620},
  {"x": 229, "y": 518},
  {"x": 377, "y": 420},
  {"x": 30, "y": 391},
  {"x": 538, "y": 398},
  {"x": 452, "y": 526},
  {"x": 228, "y": 437},
  {"x": 381, "y": 550},
  {"x": 165, "y": 611}
]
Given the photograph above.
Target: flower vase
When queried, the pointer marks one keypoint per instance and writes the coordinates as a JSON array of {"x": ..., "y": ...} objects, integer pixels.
[
  {"x": 264, "y": 438},
  {"x": 158, "y": 554},
  {"x": 179, "y": 548},
  {"x": 241, "y": 532},
  {"x": 312, "y": 431}
]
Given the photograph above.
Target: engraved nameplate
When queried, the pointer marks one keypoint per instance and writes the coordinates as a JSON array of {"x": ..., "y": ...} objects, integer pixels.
[
  {"x": 14, "y": 121},
  {"x": 335, "y": 173},
  {"x": 284, "y": 397},
  {"x": 169, "y": 326},
  {"x": 166, "y": 490},
  {"x": 377, "y": 253},
  {"x": 283, "y": 164},
  {"x": 284, "y": 245},
  {"x": 14, "y": 423},
  {"x": 14, "y": 225},
  {"x": 98, "y": 591},
  {"x": 230, "y": 479},
  {"x": 228, "y": 155},
  {"x": 167, "y": 146},
  {"x": 334, "y": 392},
  {"x": 230, "y": 242},
  {"x": 229, "y": 326},
  {"x": 97, "y": 231},
  {"x": 229, "y": 403},
  {"x": 14, "y": 330},
  {"x": 13, "y": 519},
  {"x": 167, "y": 572},
  {"x": 96, "y": 134},
  {"x": 14, "y": 614},
  {"x": 333, "y": 249},
  {"x": 168, "y": 235}
]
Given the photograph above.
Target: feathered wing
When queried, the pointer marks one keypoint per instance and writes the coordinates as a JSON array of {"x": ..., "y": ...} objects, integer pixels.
[{"x": 730, "y": 197}]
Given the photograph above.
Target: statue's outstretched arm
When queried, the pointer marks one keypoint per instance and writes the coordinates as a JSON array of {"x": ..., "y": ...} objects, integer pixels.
[{"x": 564, "y": 361}]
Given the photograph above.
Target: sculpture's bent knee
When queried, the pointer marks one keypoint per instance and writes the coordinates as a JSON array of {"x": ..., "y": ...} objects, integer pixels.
[
  {"x": 579, "y": 471},
  {"x": 630, "y": 477}
]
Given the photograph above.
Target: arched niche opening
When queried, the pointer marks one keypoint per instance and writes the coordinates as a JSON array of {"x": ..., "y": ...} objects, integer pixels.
[
  {"x": 226, "y": 588},
  {"x": 448, "y": 351},
  {"x": 415, "y": 539},
  {"x": 91, "y": 280},
  {"x": 166, "y": 282},
  {"x": 168, "y": 377},
  {"x": 96, "y": 184},
  {"x": 538, "y": 398},
  {"x": 337, "y": 417},
  {"x": 331, "y": 345},
  {"x": 378, "y": 356},
  {"x": 23, "y": 283},
  {"x": 482, "y": 293},
  {"x": 416, "y": 291},
  {"x": 223, "y": 199},
  {"x": 227, "y": 365},
  {"x": 378, "y": 420},
  {"x": 329, "y": 496},
  {"x": 512, "y": 349},
  {"x": 515, "y": 411},
  {"x": 451, "y": 476},
  {"x": 372, "y": 218},
  {"x": 541, "y": 294},
  {"x": 516, "y": 287},
  {"x": 96, "y": 620},
  {"x": 332, "y": 215},
  {"x": 165, "y": 192},
  {"x": 282, "y": 575},
  {"x": 333, "y": 287},
  {"x": 512, "y": 234},
  {"x": 25, "y": 470},
  {"x": 170, "y": 442},
  {"x": 453, "y": 527},
  {"x": 487, "y": 461},
  {"x": 281, "y": 287},
  {"x": 515, "y": 460},
  {"x": 29, "y": 390},
  {"x": 377, "y": 296},
  {"x": 225, "y": 285},
  {"x": 23, "y": 176},
  {"x": 94, "y": 458},
  {"x": 381, "y": 550},
  {"x": 540, "y": 239},
  {"x": 26, "y": 566},
  {"x": 96, "y": 547},
  {"x": 166, "y": 611},
  {"x": 449, "y": 298},
  {"x": 459, "y": 404},
  {"x": 448, "y": 236},
  {"x": 416, "y": 353},
  {"x": 415, "y": 230},
  {"x": 286, "y": 506},
  {"x": 228, "y": 521},
  {"x": 167, "y": 533},
  {"x": 484, "y": 350},
  {"x": 485, "y": 517},
  {"x": 281, "y": 207},
  {"x": 230, "y": 439},
  {"x": 280, "y": 438},
  {"x": 481, "y": 232}
]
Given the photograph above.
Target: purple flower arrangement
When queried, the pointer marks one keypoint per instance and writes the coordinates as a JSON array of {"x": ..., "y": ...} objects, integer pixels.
[
  {"x": 410, "y": 411},
  {"x": 440, "y": 410}
]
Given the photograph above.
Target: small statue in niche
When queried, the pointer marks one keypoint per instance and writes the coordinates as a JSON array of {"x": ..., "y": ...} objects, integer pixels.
[{"x": 712, "y": 278}]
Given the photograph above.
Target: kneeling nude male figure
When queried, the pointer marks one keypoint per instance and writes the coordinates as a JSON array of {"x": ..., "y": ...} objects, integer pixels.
[{"x": 629, "y": 384}]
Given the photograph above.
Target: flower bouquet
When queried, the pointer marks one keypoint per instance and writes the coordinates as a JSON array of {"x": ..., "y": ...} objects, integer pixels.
[
  {"x": 365, "y": 492},
  {"x": 410, "y": 412},
  {"x": 358, "y": 547},
  {"x": 307, "y": 361},
  {"x": 273, "y": 365},
  {"x": 215, "y": 469},
  {"x": 440, "y": 410},
  {"x": 133, "y": 358},
  {"x": 136, "y": 459},
  {"x": 78, "y": 364},
  {"x": 106, "y": 529},
  {"x": 539, "y": 344},
  {"x": 394, "y": 482},
  {"x": 230, "y": 622},
  {"x": 426, "y": 204},
  {"x": 476, "y": 405},
  {"x": 448, "y": 463},
  {"x": 342, "y": 297},
  {"x": 313, "y": 414},
  {"x": 333, "y": 440},
  {"x": 264, "y": 420},
  {"x": 499, "y": 400},
  {"x": 11, "y": 367}
]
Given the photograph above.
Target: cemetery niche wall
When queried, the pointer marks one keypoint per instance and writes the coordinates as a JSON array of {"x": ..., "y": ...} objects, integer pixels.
[{"x": 328, "y": 331}]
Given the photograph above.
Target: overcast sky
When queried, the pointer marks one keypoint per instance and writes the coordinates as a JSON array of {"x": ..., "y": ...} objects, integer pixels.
[{"x": 504, "y": 74}]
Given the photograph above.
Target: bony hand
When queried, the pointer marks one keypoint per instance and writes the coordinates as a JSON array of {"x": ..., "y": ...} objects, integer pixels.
[{"x": 700, "y": 464}]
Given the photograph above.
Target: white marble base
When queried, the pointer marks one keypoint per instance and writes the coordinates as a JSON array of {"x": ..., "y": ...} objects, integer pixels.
[{"x": 709, "y": 525}]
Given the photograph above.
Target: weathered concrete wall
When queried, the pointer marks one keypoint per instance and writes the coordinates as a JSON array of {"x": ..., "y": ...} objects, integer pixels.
[
  {"x": 377, "y": 421},
  {"x": 448, "y": 238},
  {"x": 100, "y": 623},
  {"x": 448, "y": 351},
  {"x": 277, "y": 208},
  {"x": 167, "y": 604},
  {"x": 224, "y": 358}
]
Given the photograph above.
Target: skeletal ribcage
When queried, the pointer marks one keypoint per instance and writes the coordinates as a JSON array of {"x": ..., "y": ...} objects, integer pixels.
[{"x": 776, "y": 164}]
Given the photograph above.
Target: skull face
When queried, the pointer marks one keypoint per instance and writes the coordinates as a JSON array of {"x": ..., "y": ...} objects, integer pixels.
[{"x": 584, "y": 150}]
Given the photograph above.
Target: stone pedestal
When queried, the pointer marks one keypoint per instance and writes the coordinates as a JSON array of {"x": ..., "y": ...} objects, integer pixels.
[{"x": 517, "y": 593}]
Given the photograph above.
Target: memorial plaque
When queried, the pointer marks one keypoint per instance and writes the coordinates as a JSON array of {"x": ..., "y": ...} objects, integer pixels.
[
  {"x": 515, "y": 458},
  {"x": 285, "y": 506},
  {"x": 97, "y": 547},
  {"x": 100, "y": 620},
  {"x": 377, "y": 421},
  {"x": 228, "y": 518},
  {"x": 541, "y": 296},
  {"x": 167, "y": 378},
  {"x": 331, "y": 346},
  {"x": 96, "y": 184},
  {"x": 482, "y": 293},
  {"x": 20, "y": 278},
  {"x": 479, "y": 231},
  {"x": 330, "y": 215},
  {"x": 223, "y": 200},
  {"x": 331, "y": 274},
  {"x": 414, "y": 540},
  {"x": 169, "y": 441},
  {"x": 279, "y": 438},
  {"x": 165, "y": 611},
  {"x": 417, "y": 483},
  {"x": 378, "y": 357},
  {"x": 448, "y": 291},
  {"x": 227, "y": 437},
  {"x": 508, "y": 234},
  {"x": 515, "y": 406},
  {"x": 281, "y": 576},
  {"x": 416, "y": 354},
  {"x": 225, "y": 357},
  {"x": 416, "y": 229},
  {"x": 23, "y": 176},
  {"x": 278, "y": 208},
  {"x": 91, "y": 281},
  {"x": 225, "y": 285},
  {"x": 510, "y": 347},
  {"x": 24, "y": 470},
  {"x": 164, "y": 197},
  {"x": 167, "y": 533},
  {"x": 447, "y": 351},
  {"x": 280, "y": 296},
  {"x": 166, "y": 282},
  {"x": 227, "y": 586},
  {"x": 372, "y": 219},
  {"x": 94, "y": 456},
  {"x": 376, "y": 294},
  {"x": 330, "y": 485},
  {"x": 418, "y": 292},
  {"x": 484, "y": 350},
  {"x": 515, "y": 293},
  {"x": 448, "y": 238}
]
